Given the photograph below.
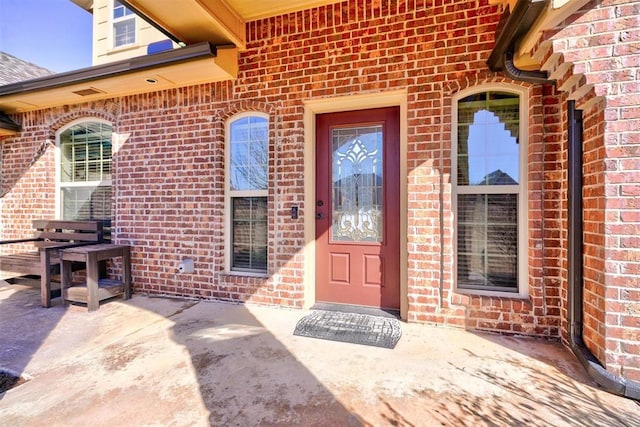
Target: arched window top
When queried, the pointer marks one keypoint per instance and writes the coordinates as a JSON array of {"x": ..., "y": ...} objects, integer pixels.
[
  {"x": 503, "y": 88},
  {"x": 488, "y": 135},
  {"x": 248, "y": 114},
  {"x": 86, "y": 121},
  {"x": 503, "y": 106},
  {"x": 490, "y": 126}
]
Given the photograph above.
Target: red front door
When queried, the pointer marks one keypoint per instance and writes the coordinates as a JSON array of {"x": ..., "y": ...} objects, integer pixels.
[{"x": 358, "y": 208}]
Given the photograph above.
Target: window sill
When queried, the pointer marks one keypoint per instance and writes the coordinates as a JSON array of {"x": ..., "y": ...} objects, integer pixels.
[
  {"x": 247, "y": 274},
  {"x": 493, "y": 294}
]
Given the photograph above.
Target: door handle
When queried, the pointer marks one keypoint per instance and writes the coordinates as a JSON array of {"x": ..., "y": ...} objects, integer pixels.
[{"x": 319, "y": 215}]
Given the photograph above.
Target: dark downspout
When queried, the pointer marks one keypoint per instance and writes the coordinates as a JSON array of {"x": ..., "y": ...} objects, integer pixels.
[
  {"x": 513, "y": 72},
  {"x": 606, "y": 380},
  {"x": 574, "y": 221}
]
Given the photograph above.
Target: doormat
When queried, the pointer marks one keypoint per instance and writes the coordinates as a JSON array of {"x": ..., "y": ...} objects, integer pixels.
[{"x": 353, "y": 328}]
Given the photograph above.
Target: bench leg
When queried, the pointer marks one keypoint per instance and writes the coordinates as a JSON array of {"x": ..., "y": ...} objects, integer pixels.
[
  {"x": 126, "y": 272},
  {"x": 45, "y": 278},
  {"x": 65, "y": 279},
  {"x": 93, "y": 273}
]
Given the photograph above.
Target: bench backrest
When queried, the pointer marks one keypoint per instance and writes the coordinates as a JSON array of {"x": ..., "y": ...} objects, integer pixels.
[{"x": 67, "y": 231}]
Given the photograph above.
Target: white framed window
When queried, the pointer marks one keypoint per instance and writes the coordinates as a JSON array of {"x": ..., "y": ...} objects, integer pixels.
[
  {"x": 124, "y": 25},
  {"x": 83, "y": 172},
  {"x": 490, "y": 190},
  {"x": 247, "y": 172}
]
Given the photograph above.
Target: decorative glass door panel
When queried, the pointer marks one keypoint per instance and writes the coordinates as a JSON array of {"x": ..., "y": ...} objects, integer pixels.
[{"x": 357, "y": 177}]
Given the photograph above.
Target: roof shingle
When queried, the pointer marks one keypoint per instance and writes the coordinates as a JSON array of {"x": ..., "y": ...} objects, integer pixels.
[{"x": 14, "y": 70}]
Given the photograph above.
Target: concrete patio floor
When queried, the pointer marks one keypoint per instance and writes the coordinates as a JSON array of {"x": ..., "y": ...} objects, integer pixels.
[{"x": 171, "y": 362}]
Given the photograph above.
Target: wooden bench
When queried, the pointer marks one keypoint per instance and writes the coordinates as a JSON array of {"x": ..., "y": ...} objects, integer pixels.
[{"x": 49, "y": 238}]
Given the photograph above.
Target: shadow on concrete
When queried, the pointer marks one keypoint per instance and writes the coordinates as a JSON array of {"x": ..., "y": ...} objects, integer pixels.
[
  {"x": 161, "y": 361},
  {"x": 247, "y": 376},
  {"x": 531, "y": 382},
  {"x": 555, "y": 383},
  {"x": 24, "y": 327},
  {"x": 155, "y": 361},
  {"x": 482, "y": 379}
]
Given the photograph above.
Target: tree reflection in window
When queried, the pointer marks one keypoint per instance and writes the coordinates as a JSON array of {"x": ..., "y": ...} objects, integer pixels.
[
  {"x": 249, "y": 154},
  {"x": 488, "y": 145}
]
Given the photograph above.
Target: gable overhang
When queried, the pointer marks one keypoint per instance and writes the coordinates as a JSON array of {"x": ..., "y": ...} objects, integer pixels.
[
  {"x": 520, "y": 29},
  {"x": 194, "y": 21},
  {"x": 196, "y": 64}
]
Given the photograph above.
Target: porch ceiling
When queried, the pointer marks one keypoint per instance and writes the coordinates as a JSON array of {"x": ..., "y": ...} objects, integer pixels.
[{"x": 217, "y": 21}]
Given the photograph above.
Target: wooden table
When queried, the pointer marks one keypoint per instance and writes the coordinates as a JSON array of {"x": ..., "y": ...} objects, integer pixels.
[{"x": 95, "y": 289}]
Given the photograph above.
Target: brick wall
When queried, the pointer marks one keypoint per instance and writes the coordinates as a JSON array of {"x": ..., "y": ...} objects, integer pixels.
[
  {"x": 600, "y": 43},
  {"x": 593, "y": 220},
  {"x": 28, "y": 183},
  {"x": 553, "y": 186},
  {"x": 169, "y": 157}
]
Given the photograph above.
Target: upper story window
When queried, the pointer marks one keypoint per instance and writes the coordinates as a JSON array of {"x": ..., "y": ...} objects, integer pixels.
[
  {"x": 124, "y": 25},
  {"x": 490, "y": 173},
  {"x": 246, "y": 196},
  {"x": 84, "y": 172}
]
